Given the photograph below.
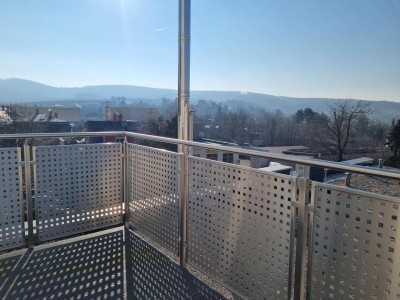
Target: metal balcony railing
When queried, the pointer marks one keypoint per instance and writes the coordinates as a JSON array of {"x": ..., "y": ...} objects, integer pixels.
[{"x": 263, "y": 235}]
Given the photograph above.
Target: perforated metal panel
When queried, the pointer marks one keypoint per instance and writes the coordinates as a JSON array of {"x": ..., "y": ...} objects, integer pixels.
[
  {"x": 239, "y": 227},
  {"x": 78, "y": 188},
  {"x": 87, "y": 268},
  {"x": 11, "y": 216},
  {"x": 153, "y": 193},
  {"x": 356, "y": 246}
]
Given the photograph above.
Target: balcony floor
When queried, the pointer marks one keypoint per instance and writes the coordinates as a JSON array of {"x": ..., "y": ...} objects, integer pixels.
[{"x": 111, "y": 264}]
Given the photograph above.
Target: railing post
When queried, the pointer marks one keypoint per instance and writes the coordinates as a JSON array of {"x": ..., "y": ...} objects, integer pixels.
[
  {"x": 380, "y": 163},
  {"x": 28, "y": 193},
  {"x": 293, "y": 224},
  {"x": 303, "y": 185},
  {"x": 183, "y": 204},
  {"x": 348, "y": 179},
  {"x": 311, "y": 241},
  {"x": 125, "y": 182}
]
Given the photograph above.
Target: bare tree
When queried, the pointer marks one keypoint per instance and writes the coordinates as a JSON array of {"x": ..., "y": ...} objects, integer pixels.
[{"x": 338, "y": 130}]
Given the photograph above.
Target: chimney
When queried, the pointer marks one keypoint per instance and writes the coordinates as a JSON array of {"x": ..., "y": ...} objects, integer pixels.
[
  {"x": 50, "y": 114},
  {"x": 37, "y": 111},
  {"x": 117, "y": 117}
]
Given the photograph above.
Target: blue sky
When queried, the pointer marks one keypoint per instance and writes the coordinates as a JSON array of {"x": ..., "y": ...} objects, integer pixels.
[{"x": 308, "y": 48}]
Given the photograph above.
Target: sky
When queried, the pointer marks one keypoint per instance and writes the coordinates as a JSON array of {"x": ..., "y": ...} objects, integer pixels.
[{"x": 307, "y": 48}]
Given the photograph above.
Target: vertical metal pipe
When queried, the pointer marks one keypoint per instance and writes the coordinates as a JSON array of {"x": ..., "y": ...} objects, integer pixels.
[
  {"x": 183, "y": 120},
  {"x": 380, "y": 163},
  {"x": 293, "y": 220},
  {"x": 190, "y": 131},
  {"x": 311, "y": 242},
  {"x": 21, "y": 190},
  {"x": 125, "y": 182},
  {"x": 191, "y": 121},
  {"x": 28, "y": 191},
  {"x": 183, "y": 206},
  {"x": 348, "y": 179},
  {"x": 301, "y": 240},
  {"x": 184, "y": 69}
]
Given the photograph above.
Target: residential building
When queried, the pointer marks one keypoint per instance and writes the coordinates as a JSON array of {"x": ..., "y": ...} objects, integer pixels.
[
  {"x": 117, "y": 125},
  {"x": 68, "y": 114},
  {"x": 4, "y": 117},
  {"x": 214, "y": 154},
  {"x": 138, "y": 114}
]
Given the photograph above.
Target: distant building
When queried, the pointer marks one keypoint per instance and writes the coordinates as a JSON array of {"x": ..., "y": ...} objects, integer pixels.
[
  {"x": 4, "y": 117},
  {"x": 49, "y": 117},
  {"x": 138, "y": 114},
  {"x": 258, "y": 143},
  {"x": 68, "y": 114},
  {"x": 99, "y": 126},
  {"x": 220, "y": 155},
  {"x": 32, "y": 127}
]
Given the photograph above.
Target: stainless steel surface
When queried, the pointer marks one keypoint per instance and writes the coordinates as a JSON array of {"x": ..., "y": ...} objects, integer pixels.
[
  {"x": 125, "y": 181},
  {"x": 300, "y": 160},
  {"x": 297, "y": 159},
  {"x": 153, "y": 193},
  {"x": 191, "y": 128},
  {"x": 60, "y": 134},
  {"x": 240, "y": 227},
  {"x": 28, "y": 193},
  {"x": 183, "y": 206},
  {"x": 110, "y": 264},
  {"x": 78, "y": 188},
  {"x": 191, "y": 124},
  {"x": 355, "y": 253},
  {"x": 241, "y": 221},
  {"x": 310, "y": 241},
  {"x": 184, "y": 69},
  {"x": 231, "y": 294},
  {"x": 292, "y": 245},
  {"x": 11, "y": 208},
  {"x": 301, "y": 240}
]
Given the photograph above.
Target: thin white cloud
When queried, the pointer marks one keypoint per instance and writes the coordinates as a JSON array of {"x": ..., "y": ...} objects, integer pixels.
[{"x": 159, "y": 29}]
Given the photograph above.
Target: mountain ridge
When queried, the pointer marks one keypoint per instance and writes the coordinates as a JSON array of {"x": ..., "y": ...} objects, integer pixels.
[{"x": 17, "y": 90}]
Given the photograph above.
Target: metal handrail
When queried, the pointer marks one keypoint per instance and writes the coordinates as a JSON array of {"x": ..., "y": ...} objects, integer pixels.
[
  {"x": 60, "y": 135},
  {"x": 300, "y": 160}
]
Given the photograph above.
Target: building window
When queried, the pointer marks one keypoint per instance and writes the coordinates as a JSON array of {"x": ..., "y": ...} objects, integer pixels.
[
  {"x": 119, "y": 140},
  {"x": 227, "y": 157},
  {"x": 212, "y": 156}
]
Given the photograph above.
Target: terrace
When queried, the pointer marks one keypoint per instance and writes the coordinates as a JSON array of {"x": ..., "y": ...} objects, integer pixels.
[{"x": 126, "y": 221}]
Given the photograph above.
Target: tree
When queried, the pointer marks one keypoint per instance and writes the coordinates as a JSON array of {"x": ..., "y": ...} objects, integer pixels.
[
  {"x": 338, "y": 130},
  {"x": 171, "y": 128},
  {"x": 307, "y": 121},
  {"x": 394, "y": 138}
]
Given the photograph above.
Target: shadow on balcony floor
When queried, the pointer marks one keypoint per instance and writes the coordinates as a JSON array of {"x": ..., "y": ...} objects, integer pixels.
[{"x": 112, "y": 264}]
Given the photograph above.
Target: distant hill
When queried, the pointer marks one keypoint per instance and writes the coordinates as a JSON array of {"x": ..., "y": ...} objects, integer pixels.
[{"x": 19, "y": 90}]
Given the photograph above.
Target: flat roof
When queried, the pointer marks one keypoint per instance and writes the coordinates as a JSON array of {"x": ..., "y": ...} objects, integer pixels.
[
  {"x": 281, "y": 149},
  {"x": 276, "y": 168},
  {"x": 360, "y": 161}
]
